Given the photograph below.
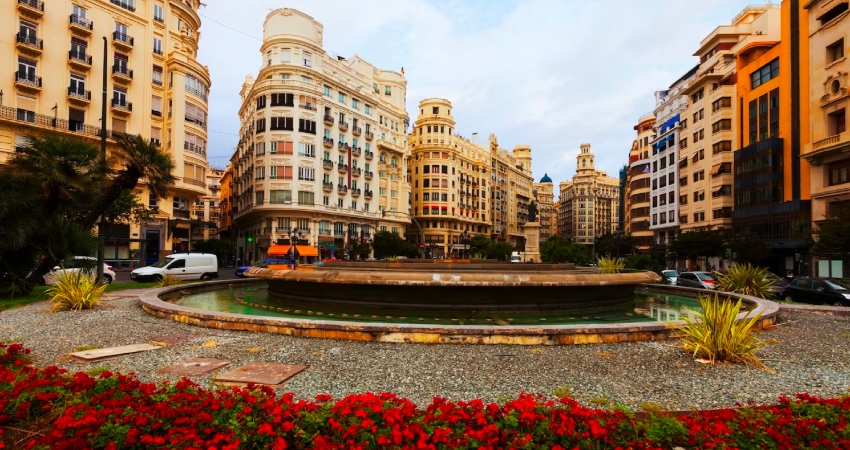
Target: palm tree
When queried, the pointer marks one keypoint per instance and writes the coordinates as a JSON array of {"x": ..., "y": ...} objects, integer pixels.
[{"x": 140, "y": 161}]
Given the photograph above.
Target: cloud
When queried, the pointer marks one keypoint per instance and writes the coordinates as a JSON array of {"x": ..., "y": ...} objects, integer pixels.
[{"x": 550, "y": 74}]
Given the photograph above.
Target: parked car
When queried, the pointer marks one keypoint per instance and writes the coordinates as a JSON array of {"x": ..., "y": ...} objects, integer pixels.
[
  {"x": 701, "y": 280},
  {"x": 183, "y": 266},
  {"x": 816, "y": 291},
  {"x": 670, "y": 276},
  {"x": 240, "y": 272},
  {"x": 77, "y": 264},
  {"x": 779, "y": 283}
]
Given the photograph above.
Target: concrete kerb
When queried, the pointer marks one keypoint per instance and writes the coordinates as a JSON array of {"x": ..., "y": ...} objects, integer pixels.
[{"x": 416, "y": 333}]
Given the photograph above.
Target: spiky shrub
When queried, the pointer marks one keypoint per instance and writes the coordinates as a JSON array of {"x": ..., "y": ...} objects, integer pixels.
[
  {"x": 746, "y": 279},
  {"x": 75, "y": 290},
  {"x": 718, "y": 335},
  {"x": 168, "y": 280},
  {"x": 611, "y": 265}
]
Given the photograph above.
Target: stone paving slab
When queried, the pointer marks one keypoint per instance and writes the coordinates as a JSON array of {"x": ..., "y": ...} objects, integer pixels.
[
  {"x": 195, "y": 367},
  {"x": 100, "y": 354},
  {"x": 261, "y": 373},
  {"x": 834, "y": 310},
  {"x": 170, "y": 340}
]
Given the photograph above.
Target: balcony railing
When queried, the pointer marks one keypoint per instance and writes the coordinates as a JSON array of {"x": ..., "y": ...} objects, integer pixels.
[
  {"x": 370, "y": 135},
  {"x": 343, "y": 126},
  {"x": 342, "y": 167},
  {"x": 356, "y": 151},
  {"x": 357, "y": 171},
  {"x": 342, "y": 189},
  {"x": 368, "y": 194},
  {"x": 79, "y": 57},
  {"x": 30, "y": 41},
  {"x": 27, "y": 79},
  {"x": 125, "y": 105},
  {"x": 308, "y": 107},
  {"x": 121, "y": 37},
  {"x": 369, "y": 175},
  {"x": 369, "y": 154},
  {"x": 129, "y": 6},
  {"x": 327, "y": 186},
  {"x": 356, "y": 131},
  {"x": 328, "y": 142},
  {"x": 36, "y": 6},
  {"x": 329, "y": 120},
  {"x": 834, "y": 139},
  {"x": 355, "y": 192},
  {"x": 340, "y": 144},
  {"x": 78, "y": 94},
  {"x": 194, "y": 148},
  {"x": 82, "y": 22},
  {"x": 122, "y": 71},
  {"x": 22, "y": 115},
  {"x": 328, "y": 163}
]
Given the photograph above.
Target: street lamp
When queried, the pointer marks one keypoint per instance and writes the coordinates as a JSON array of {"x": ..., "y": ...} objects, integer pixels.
[
  {"x": 293, "y": 240},
  {"x": 464, "y": 239}
]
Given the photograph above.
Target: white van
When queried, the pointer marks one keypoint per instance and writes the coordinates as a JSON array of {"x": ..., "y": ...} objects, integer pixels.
[
  {"x": 183, "y": 266},
  {"x": 516, "y": 257}
]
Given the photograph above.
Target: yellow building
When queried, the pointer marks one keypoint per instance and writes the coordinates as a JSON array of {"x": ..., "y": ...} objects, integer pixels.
[
  {"x": 472, "y": 188},
  {"x": 226, "y": 223},
  {"x": 828, "y": 29},
  {"x": 207, "y": 209},
  {"x": 638, "y": 185},
  {"x": 544, "y": 195},
  {"x": 710, "y": 124},
  {"x": 589, "y": 204},
  {"x": 155, "y": 87},
  {"x": 322, "y": 152}
]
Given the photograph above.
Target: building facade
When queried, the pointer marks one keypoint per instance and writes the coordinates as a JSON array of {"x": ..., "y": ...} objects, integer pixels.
[
  {"x": 544, "y": 196},
  {"x": 462, "y": 187},
  {"x": 665, "y": 159},
  {"x": 156, "y": 88},
  {"x": 828, "y": 29},
  {"x": 322, "y": 151},
  {"x": 589, "y": 203},
  {"x": 639, "y": 182},
  {"x": 207, "y": 209},
  {"x": 772, "y": 187}
]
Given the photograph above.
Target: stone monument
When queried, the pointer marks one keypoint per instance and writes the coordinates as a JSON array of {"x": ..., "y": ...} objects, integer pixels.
[{"x": 531, "y": 231}]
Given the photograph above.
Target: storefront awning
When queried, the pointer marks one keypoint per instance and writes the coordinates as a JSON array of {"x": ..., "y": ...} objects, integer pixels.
[
  {"x": 715, "y": 169},
  {"x": 303, "y": 250}
]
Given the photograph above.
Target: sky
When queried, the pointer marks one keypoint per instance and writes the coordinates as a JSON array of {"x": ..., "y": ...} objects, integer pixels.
[{"x": 552, "y": 74}]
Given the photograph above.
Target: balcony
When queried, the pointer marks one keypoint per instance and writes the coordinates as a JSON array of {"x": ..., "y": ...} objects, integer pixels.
[
  {"x": 328, "y": 142},
  {"x": 79, "y": 60},
  {"x": 327, "y": 164},
  {"x": 122, "y": 40},
  {"x": 356, "y": 131},
  {"x": 329, "y": 120},
  {"x": 343, "y": 126},
  {"x": 356, "y": 151},
  {"x": 342, "y": 189},
  {"x": 828, "y": 142},
  {"x": 34, "y": 8},
  {"x": 128, "y": 5},
  {"x": 79, "y": 96},
  {"x": 121, "y": 107},
  {"x": 369, "y": 175},
  {"x": 357, "y": 171},
  {"x": 327, "y": 187},
  {"x": 355, "y": 192},
  {"x": 27, "y": 82},
  {"x": 342, "y": 168},
  {"x": 370, "y": 135},
  {"x": 81, "y": 25},
  {"x": 156, "y": 142},
  {"x": 29, "y": 44},
  {"x": 367, "y": 194},
  {"x": 121, "y": 73},
  {"x": 369, "y": 155},
  {"x": 340, "y": 145},
  {"x": 308, "y": 107}
]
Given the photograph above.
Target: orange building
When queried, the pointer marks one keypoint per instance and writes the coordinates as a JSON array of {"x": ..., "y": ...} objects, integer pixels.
[{"x": 772, "y": 187}]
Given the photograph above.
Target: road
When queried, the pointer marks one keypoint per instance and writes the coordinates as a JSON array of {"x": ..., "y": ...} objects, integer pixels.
[{"x": 223, "y": 274}]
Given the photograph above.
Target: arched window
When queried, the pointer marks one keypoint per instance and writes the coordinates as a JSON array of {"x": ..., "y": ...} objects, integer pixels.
[
  {"x": 393, "y": 161},
  {"x": 383, "y": 158}
]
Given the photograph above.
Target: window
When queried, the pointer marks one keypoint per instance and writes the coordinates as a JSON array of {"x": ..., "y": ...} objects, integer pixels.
[
  {"x": 839, "y": 172},
  {"x": 684, "y": 124},
  {"x": 697, "y": 96},
  {"x": 259, "y": 173},
  {"x": 260, "y": 149},
  {"x": 342, "y": 98},
  {"x": 835, "y": 51},
  {"x": 307, "y": 126},
  {"x": 195, "y": 114},
  {"x": 699, "y": 176},
  {"x": 394, "y": 194},
  {"x": 261, "y": 125},
  {"x": 720, "y": 103},
  {"x": 119, "y": 64},
  {"x": 765, "y": 73},
  {"x": 722, "y": 146},
  {"x": 699, "y": 135},
  {"x": 368, "y": 110},
  {"x": 283, "y": 99},
  {"x": 281, "y": 148},
  {"x": 119, "y": 97},
  {"x": 78, "y": 88},
  {"x": 683, "y": 143},
  {"x": 195, "y": 144},
  {"x": 305, "y": 198},
  {"x": 157, "y": 75},
  {"x": 306, "y": 150},
  {"x": 195, "y": 86},
  {"x": 157, "y": 13},
  {"x": 699, "y": 155},
  {"x": 279, "y": 197},
  {"x": 281, "y": 123},
  {"x": 284, "y": 56},
  {"x": 388, "y": 90},
  {"x": 157, "y": 46},
  {"x": 382, "y": 191},
  {"x": 699, "y": 115},
  {"x": 326, "y": 91},
  {"x": 355, "y": 104},
  {"x": 837, "y": 122},
  {"x": 306, "y": 59},
  {"x": 306, "y": 173},
  {"x": 156, "y": 103},
  {"x": 720, "y": 125},
  {"x": 261, "y": 102}
]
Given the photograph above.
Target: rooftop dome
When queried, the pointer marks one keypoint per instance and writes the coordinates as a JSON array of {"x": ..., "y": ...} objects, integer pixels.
[{"x": 545, "y": 179}]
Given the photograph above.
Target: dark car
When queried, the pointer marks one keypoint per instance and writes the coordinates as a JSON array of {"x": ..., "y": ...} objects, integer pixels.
[
  {"x": 779, "y": 284},
  {"x": 240, "y": 272},
  {"x": 701, "y": 280},
  {"x": 816, "y": 291}
]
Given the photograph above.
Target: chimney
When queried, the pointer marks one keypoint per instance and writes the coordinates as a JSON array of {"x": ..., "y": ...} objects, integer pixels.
[{"x": 474, "y": 138}]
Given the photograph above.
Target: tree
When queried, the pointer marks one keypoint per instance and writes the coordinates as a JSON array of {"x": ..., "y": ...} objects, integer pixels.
[
  {"x": 699, "y": 244},
  {"x": 479, "y": 245},
  {"x": 747, "y": 248},
  {"x": 387, "y": 244},
  {"x": 616, "y": 245},
  {"x": 557, "y": 249},
  {"x": 362, "y": 250},
  {"x": 222, "y": 249},
  {"x": 500, "y": 250},
  {"x": 644, "y": 262},
  {"x": 833, "y": 234}
]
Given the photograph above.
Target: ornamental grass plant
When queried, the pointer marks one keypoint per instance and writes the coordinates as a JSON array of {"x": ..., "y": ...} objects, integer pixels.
[
  {"x": 718, "y": 335},
  {"x": 168, "y": 280},
  {"x": 75, "y": 290},
  {"x": 746, "y": 279},
  {"x": 611, "y": 265}
]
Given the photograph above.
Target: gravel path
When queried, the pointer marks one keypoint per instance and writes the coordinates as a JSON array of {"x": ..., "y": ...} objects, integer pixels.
[{"x": 810, "y": 353}]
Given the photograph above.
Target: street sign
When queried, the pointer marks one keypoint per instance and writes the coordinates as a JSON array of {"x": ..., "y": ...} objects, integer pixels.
[{"x": 421, "y": 245}]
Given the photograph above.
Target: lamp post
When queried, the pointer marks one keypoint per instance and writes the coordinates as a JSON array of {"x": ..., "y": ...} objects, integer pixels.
[
  {"x": 293, "y": 240},
  {"x": 464, "y": 239},
  {"x": 421, "y": 234}
]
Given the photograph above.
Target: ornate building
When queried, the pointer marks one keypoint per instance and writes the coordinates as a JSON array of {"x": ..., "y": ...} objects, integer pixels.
[
  {"x": 544, "y": 195},
  {"x": 462, "y": 186},
  {"x": 156, "y": 88},
  {"x": 589, "y": 204},
  {"x": 638, "y": 184},
  {"x": 322, "y": 152}
]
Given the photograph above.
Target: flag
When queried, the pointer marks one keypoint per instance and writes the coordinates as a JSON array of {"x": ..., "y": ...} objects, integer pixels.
[
  {"x": 402, "y": 70},
  {"x": 646, "y": 170}
]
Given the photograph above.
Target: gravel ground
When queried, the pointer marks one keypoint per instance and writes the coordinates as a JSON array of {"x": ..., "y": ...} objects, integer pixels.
[{"x": 809, "y": 353}]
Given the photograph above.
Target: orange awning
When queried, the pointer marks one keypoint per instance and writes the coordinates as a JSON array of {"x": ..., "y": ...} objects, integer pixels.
[
  {"x": 715, "y": 168},
  {"x": 303, "y": 250}
]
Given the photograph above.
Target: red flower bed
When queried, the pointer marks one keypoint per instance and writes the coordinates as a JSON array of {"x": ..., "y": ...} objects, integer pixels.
[{"x": 115, "y": 411}]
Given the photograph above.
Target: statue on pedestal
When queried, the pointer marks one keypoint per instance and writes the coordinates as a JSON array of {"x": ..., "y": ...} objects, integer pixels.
[{"x": 532, "y": 212}]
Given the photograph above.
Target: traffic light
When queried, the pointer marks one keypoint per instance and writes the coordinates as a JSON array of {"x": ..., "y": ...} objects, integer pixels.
[{"x": 250, "y": 239}]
